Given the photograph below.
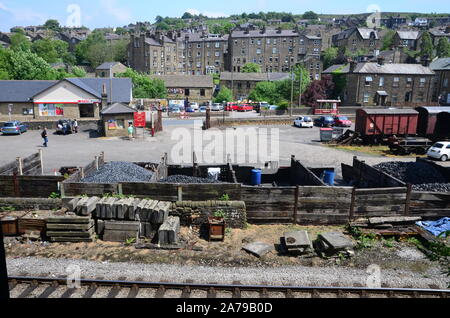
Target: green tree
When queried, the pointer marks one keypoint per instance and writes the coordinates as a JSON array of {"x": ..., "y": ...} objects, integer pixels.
[
  {"x": 144, "y": 86},
  {"x": 120, "y": 50},
  {"x": 443, "y": 48},
  {"x": 251, "y": 68},
  {"x": 266, "y": 92},
  {"x": 51, "y": 51},
  {"x": 21, "y": 65},
  {"x": 225, "y": 95},
  {"x": 82, "y": 48},
  {"x": 310, "y": 15},
  {"x": 329, "y": 57},
  {"x": 52, "y": 25},
  {"x": 19, "y": 42},
  {"x": 426, "y": 46},
  {"x": 187, "y": 15},
  {"x": 388, "y": 40}
]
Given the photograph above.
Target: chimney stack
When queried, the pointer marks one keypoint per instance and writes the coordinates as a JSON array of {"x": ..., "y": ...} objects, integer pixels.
[
  {"x": 380, "y": 60},
  {"x": 353, "y": 65},
  {"x": 104, "y": 103},
  {"x": 425, "y": 60}
]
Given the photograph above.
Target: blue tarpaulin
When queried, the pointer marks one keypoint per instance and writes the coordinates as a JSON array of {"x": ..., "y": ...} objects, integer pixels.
[{"x": 436, "y": 227}]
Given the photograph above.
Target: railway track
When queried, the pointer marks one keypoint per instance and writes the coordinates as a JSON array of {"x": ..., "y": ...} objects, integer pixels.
[{"x": 39, "y": 287}]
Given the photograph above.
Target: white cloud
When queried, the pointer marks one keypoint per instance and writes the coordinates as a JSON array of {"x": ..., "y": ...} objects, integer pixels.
[
  {"x": 120, "y": 13},
  {"x": 207, "y": 13},
  {"x": 24, "y": 14}
]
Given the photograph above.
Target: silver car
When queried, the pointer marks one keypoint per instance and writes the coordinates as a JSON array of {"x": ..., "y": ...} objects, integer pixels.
[{"x": 14, "y": 128}]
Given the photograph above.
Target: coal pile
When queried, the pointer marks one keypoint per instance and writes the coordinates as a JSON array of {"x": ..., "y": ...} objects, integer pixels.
[
  {"x": 422, "y": 176},
  {"x": 116, "y": 172},
  {"x": 188, "y": 180}
]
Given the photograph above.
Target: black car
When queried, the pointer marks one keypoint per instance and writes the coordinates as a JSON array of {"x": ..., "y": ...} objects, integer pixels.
[
  {"x": 324, "y": 121},
  {"x": 64, "y": 127}
]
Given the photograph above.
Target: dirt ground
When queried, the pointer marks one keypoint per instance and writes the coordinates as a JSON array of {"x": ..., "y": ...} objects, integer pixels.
[{"x": 395, "y": 255}]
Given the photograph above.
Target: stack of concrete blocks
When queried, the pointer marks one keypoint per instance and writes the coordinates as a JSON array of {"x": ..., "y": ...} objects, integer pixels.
[
  {"x": 298, "y": 243},
  {"x": 70, "y": 229},
  {"x": 168, "y": 232}
]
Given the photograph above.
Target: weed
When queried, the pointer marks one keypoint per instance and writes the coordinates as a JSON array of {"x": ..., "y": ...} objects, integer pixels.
[
  {"x": 7, "y": 208},
  {"x": 219, "y": 214},
  {"x": 389, "y": 243},
  {"x": 130, "y": 241},
  {"x": 225, "y": 197},
  {"x": 55, "y": 195}
]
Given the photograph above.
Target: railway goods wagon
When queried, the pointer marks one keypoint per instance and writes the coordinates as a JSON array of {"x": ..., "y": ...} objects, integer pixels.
[
  {"x": 375, "y": 124},
  {"x": 434, "y": 122}
]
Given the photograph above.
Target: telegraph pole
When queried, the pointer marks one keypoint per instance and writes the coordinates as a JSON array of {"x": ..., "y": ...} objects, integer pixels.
[
  {"x": 292, "y": 89},
  {"x": 4, "y": 287},
  {"x": 300, "y": 96}
]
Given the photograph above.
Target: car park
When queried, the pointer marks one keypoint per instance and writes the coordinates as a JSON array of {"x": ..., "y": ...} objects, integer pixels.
[
  {"x": 324, "y": 121},
  {"x": 342, "y": 121},
  {"x": 14, "y": 128},
  {"x": 304, "y": 122},
  {"x": 216, "y": 107},
  {"x": 440, "y": 151}
]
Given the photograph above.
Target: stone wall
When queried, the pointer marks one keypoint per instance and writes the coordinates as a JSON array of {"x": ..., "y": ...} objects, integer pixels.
[
  {"x": 31, "y": 203},
  {"x": 196, "y": 213}
]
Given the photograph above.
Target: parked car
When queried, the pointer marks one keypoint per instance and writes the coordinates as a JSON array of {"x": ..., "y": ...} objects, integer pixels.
[
  {"x": 244, "y": 108},
  {"x": 14, "y": 128},
  {"x": 440, "y": 151},
  {"x": 64, "y": 127},
  {"x": 190, "y": 110},
  {"x": 175, "y": 110},
  {"x": 216, "y": 107},
  {"x": 304, "y": 122},
  {"x": 203, "y": 109},
  {"x": 324, "y": 121},
  {"x": 194, "y": 106},
  {"x": 342, "y": 121},
  {"x": 231, "y": 107}
]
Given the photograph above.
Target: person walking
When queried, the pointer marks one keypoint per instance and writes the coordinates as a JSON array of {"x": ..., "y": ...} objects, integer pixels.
[
  {"x": 44, "y": 136},
  {"x": 75, "y": 126},
  {"x": 130, "y": 131}
]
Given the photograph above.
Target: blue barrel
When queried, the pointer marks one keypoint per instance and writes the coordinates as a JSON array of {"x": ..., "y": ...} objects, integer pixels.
[
  {"x": 256, "y": 177},
  {"x": 328, "y": 177}
]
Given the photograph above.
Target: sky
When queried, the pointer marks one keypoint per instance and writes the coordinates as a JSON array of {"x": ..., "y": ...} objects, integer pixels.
[{"x": 114, "y": 13}]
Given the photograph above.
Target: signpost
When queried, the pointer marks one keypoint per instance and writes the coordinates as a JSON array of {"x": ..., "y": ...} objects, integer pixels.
[{"x": 139, "y": 120}]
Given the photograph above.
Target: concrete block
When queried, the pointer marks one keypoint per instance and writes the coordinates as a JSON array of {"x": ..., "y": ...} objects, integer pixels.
[
  {"x": 147, "y": 230},
  {"x": 70, "y": 204},
  {"x": 80, "y": 203},
  {"x": 88, "y": 207},
  {"x": 258, "y": 249},
  {"x": 139, "y": 208},
  {"x": 132, "y": 207},
  {"x": 98, "y": 209},
  {"x": 122, "y": 226},
  {"x": 337, "y": 241},
  {"x": 297, "y": 239},
  {"x": 109, "y": 208},
  {"x": 118, "y": 236},
  {"x": 168, "y": 232},
  {"x": 100, "y": 228}
]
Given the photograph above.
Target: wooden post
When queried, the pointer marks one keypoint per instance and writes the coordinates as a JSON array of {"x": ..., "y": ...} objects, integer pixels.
[
  {"x": 180, "y": 193},
  {"x": 194, "y": 165},
  {"x": 61, "y": 189},
  {"x": 96, "y": 162},
  {"x": 41, "y": 158},
  {"x": 352, "y": 205},
  {"x": 19, "y": 166},
  {"x": 4, "y": 287},
  {"x": 120, "y": 188},
  {"x": 297, "y": 193},
  {"x": 408, "y": 199},
  {"x": 82, "y": 172}
]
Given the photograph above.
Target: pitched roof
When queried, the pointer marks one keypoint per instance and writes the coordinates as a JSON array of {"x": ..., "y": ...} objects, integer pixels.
[
  {"x": 390, "y": 68},
  {"x": 441, "y": 64},
  {"x": 24, "y": 91},
  {"x": 118, "y": 108},
  {"x": 192, "y": 81},
  {"x": 107, "y": 65},
  {"x": 365, "y": 33},
  {"x": 408, "y": 35},
  {"x": 256, "y": 77}
]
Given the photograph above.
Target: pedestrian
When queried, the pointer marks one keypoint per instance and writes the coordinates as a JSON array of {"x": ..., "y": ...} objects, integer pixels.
[
  {"x": 130, "y": 131},
  {"x": 44, "y": 136},
  {"x": 75, "y": 126}
]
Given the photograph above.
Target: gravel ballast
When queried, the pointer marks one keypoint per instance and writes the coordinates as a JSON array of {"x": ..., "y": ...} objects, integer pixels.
[
  {"x": 290, "y": 275},
  {"x": 422, "y": 176},
  {"x": 116, "y": 172},
  {"x": 188, "y": 180}
]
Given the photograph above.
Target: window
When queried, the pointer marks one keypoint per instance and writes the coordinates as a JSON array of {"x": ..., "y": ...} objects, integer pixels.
[
  {"x": 274, "y": 50},
  {"x": 318, "y": 66},
  {"x": 422, "y": 82},
  {"x": 268, "y": 41},
  {"x": 366, "y": 97},
  {"x": 258, "y": 42},
  {"x": 217, "y": 44},
  {"x": 381, "y": 81},
  {"x": 187, "y": 92},
  {"x": 396, "y": 82},
  {"x": 394, "y": 99},
  {"x": 199, "y": 54},
  {"x": 202, "y": 92},
  {"x": 249, "y": 85},
  {"x": 445, "y": 83},
  {"x": 409, "y": 82},
  {"x": 274, "y": 41},
  {"x": 199, "y": 46},
  {"x": 317, "y": 77},
  {"x": 369, "y": 80},
  {"x": 208, "y": 44},
  {"x": 258, "y": 51},
  {"x": 252, "y": 41},
  {"x": 217, "y": 54},
  {"x": 420, "y": 97}
]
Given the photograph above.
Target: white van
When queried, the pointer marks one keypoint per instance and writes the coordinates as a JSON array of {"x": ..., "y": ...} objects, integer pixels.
[{"x": 440, "y": 151}]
